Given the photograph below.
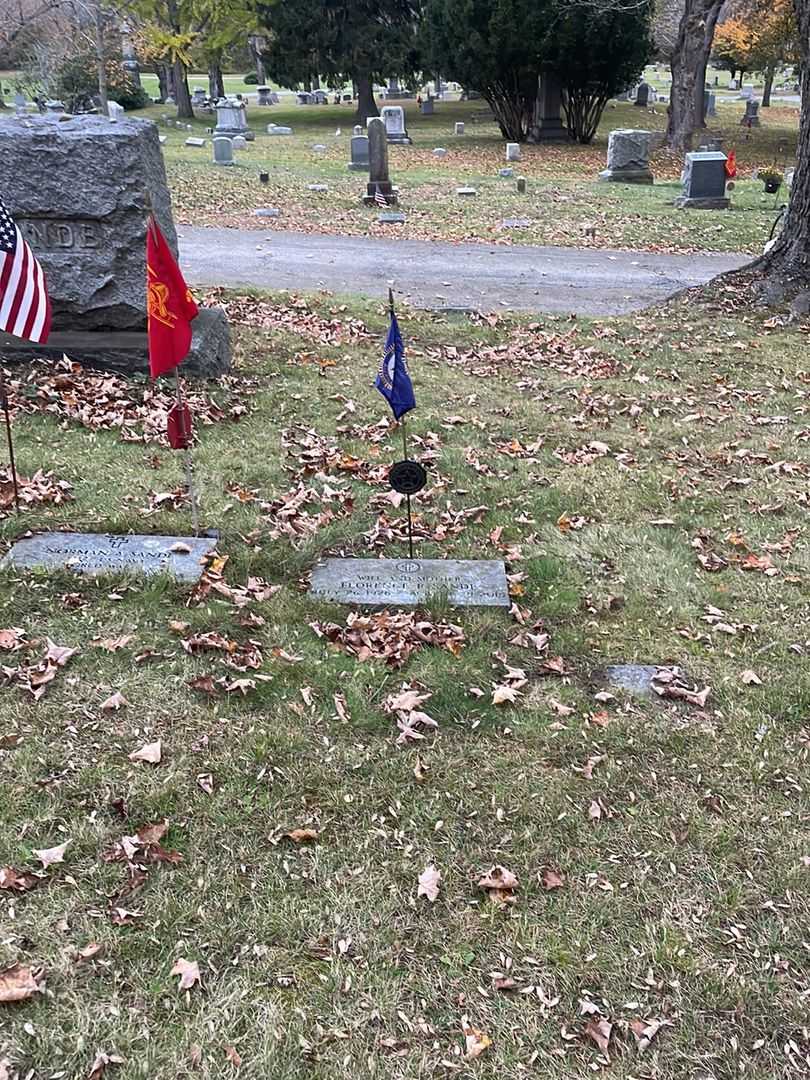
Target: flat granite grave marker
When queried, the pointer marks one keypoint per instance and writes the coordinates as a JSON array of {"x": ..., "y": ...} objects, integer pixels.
[
  {"x": 103, "y": 553},
  {"x": 409, "y": 582}
]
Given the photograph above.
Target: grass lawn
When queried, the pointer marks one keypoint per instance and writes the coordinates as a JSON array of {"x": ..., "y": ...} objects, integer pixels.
[
  {"x": 646, "y": 480},
  {"x": 565, "y": 203}
]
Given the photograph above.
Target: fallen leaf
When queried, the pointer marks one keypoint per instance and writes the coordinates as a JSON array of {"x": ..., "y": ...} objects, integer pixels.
[
  {"x": 552, "y": 879},
  {"x": 600, "y": 1031},
  {"x": 750, "y": 678},
  {"x": 95, "y": 948},
  {"x": 233, "y": 1056},
  {"x": 114, "y": 702},
  {"x": 302, "y": 836},
  {"x": 644, "y": 1031},
  {"x": 102, "y": 1060},
  {"x": 498, "y": 878},
  {"x": 429, "y": 881},
  {"x": 475, "y": 1041},
  {"x": 17, "y": 983},
  {"x": 205, "y": 782},
  {"x": 189, "y": 972},
  {"x": 48, "y": 856},
  {"x": 595, "y": 811},
  {"x": 151, "y": 753},
  {"x": 504, "y": 693}
]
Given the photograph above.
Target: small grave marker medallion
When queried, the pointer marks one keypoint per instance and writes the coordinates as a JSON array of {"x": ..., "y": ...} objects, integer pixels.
[{"x": 407, "y": 477}]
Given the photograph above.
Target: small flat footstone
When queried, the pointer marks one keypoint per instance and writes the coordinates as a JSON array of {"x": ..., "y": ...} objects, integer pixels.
[
  {"x": 634, "y": 678},
  {"x": 468, "y": 192},
  {"x": 267, "y": 211},
  {"x": 103, "y": 553},
  {"x": 391, "y": 219},
  {"x": 409, "y": 582},
  {"x": 317, "y": 187},
  {"x": 515, "y": 223}
]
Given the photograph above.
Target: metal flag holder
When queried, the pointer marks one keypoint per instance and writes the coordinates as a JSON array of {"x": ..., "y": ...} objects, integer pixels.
[
  {"x": 9, "y": 437},
  {"x": 407, "y": 477}
]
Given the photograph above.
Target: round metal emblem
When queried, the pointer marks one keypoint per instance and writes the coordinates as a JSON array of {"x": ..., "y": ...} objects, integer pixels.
[{"x": 407, "y": 477}]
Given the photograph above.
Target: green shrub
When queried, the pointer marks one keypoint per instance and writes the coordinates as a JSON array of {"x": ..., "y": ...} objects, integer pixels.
[{"x": 251, "y": 79}]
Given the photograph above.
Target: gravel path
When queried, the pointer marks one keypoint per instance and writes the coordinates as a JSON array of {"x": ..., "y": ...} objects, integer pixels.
[{"x": 483, "y": 277}]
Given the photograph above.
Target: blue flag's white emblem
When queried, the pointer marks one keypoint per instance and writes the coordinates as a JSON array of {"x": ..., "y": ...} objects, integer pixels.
[{"x": 393, "y": 381}]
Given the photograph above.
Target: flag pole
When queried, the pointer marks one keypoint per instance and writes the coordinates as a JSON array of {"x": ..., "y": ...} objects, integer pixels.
[
  {"x": 186, "y": 437},
  {"x": 9, "y": 438},
  {"x": 404, "y": 442}
]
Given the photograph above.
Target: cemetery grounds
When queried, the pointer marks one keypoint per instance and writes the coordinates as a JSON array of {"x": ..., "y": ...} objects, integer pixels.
[{"x": 646, "y": 480}]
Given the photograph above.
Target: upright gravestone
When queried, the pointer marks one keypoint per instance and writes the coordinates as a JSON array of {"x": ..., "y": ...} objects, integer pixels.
[
  {"x": 751, "y": 118},
  {"x": 114, "y": 111},
  {"x": 199, "y": 97},
  {"x": 643, "y": 95},
  {"x": 393, "y": 116},
  {"x": 747, "y": 92},
  {"x": 80, "y": 191},
  {"x": 359, "y": 151},
  {"x": 628, "y": 158},
  {"x": 379, "y": 182},
  {"x": 427, "y": 107},
  {"x": 548, "y": 126},
  {"x": 264, "y": 93},
  {"x": 223, "y": 150},
  {"x": 711, "y": 104},
  {"x": 704, "y": 181},
  {"x": 513, "y": 151},
  {"x": 232, "y": 119}
]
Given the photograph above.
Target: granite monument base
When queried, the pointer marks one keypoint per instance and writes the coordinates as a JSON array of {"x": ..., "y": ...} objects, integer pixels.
[
  {"x": 705, "y": 203},
  {"x": 627, "y": 176},
  {"x": 181, "y": 557},
  {"x": 410, "y": 582},
  {"x": 380, "y": 187},
  {"x": 126, "y": 352}
]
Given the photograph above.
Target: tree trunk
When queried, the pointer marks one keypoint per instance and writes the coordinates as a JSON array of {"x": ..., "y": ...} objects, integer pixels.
[
  {"x": 789, "y": 259},
  {"x": 2, "y": 100},
  {"x": 101, "y": 60},
  {"x": 216, "y": 84},
  {"x": 182, "y": 95},
  {"x": 766, "y": 93},
  {"x": 366, "y": 105},
  {"x": 688, "y": 65},
  {"x": 700, "y": 96},
  {"x": 163, "y": 81}
]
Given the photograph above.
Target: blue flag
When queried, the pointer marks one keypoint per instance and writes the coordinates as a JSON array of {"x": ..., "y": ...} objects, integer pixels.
[{"x": 393, "y": 381}]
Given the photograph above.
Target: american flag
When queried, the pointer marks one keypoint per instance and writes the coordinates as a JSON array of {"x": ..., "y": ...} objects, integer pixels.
[
  {"x": 25, "y": 310},
  {"x": 379, "y": 198}
]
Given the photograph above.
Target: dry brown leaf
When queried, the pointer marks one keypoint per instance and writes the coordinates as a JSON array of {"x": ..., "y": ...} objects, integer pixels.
[
  {"x": 102, "y": 1060},
  {"x": 644, "y": 1031},
  {"x": 233, "y": 1056},
  {"x": 17, "y": 983},
  {"x": 429, "y": 881},
  {"x": 189, "y": 972},
  {"x": 95, "y": 948},
  {"x": 595, "y": 810},
  {"x": 498, "y": 878},
  {"x": 114, "y": 702},
  {"x": 302, "y": 836},
  {"x": 475, "y": 1041},
  {"x": 750, "y": 678},
  {"x": 150, "y": 753},
  {"x": 552, "y": 879},
  {"x": 504, "y": 693},
  {"x": 600, "y": 1031},
  {"x": 48, "y": 856}
]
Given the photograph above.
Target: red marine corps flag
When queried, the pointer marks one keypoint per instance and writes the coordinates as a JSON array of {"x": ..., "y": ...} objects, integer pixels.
[{"x": 170, "y": 310}]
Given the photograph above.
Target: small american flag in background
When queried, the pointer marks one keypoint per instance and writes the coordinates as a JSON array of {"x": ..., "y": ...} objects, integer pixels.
[
  {"x": 379, "y": 198},
  {"x": 25, "y": 310}
]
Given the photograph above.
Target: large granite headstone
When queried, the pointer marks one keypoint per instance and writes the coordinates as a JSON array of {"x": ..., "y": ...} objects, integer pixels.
[
  {"x": 379, "y": 181},
  {"x": 232, "y": 119},
  {"x": 393, "y": 116},
  {"x": 181, "y": 557},
  {"x": 628, "y": 158},
  {"x": 643, "y": 95},
  {"x": 704, "y": 181},
  {"x": 80, "y": 190},
  {"x": 751, "y": 118},
  {"x": 409, "y": 582},
  {"x": 548, "y": 125},
  {"x": 359, "y": 149}
]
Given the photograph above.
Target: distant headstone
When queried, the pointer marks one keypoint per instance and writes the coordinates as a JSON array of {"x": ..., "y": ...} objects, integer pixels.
[
  {"x": 317, "y": 187},
  {"x": 267, "y": 212},
  {"x": 426, "y": 107},
  {"x": 548, "y": 111},
  {"x": 747, "y": 93},
  {"x": 711, "y": 104},
  {"x": 732, "y": 84},
  {"x": 359, "y": 152},
  {"x": 459, "y": 129},
  {"x": 393, "y": 116},
  {"x": 79, "y": 190},
  {"x": 643, "y": 95},
  {"x": 20, "y": 104},
  {"x": 318, "y": 148},
  {"x": 357, "y": 129},
  {"x": 54, "y": 106},
  {"x": 303, "y": 97},
  {"x": 264, "y": 97},
  {"x": 278, "y": 129},
  {"x": 751, "y": 118},
  {"x": 114, "y": 111},
  {"x": 704, "y": 181},
  {"x": 628, "y": 158},
  {"x": 239, "y": 142},
  {"x": 223, "y": 150},
  {"x": 507, "y": 173},
  {"x": 515, "y": 223},
  {"x": 193, "y": 141},
  {"x": 439, "y": 151},
  {"x": 521, "y": 185},
  {"x": 232, "y": 119},
  {"x": 466, "y": 191},
  {"x": 379, "y": 181},
  {"x": 410, "y": 582},
  {"x": 393, "y": 217},
  {"x": 181, "y": 557},
  {"x": 320, "y": 97},
  {"x": 513, "y": 151},
  {"x": 199, "y": 97}
]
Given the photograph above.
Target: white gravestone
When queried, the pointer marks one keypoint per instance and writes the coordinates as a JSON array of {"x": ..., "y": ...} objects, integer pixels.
[
  {"x": 223, "y": 150},
  {"x": 393, "y": 116},
  {"x": 513, "y": 151}
]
